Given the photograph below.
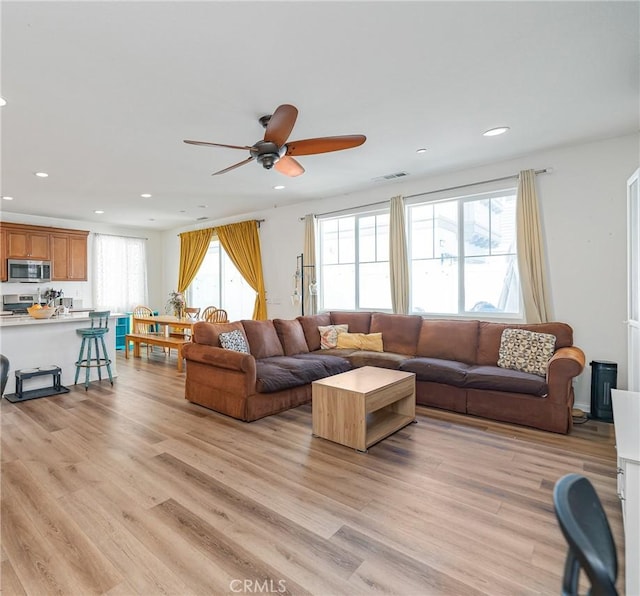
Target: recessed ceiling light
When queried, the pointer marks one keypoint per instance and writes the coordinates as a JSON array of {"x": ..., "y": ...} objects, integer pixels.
[
  {"x": 3, "y": 102},
  {"x": 145, "y": 195},
  {"x": 42, "y": 175},
  {"x": 422, "y": 150},
  {"x": 7, "y": 198},
  {"x": 493, "y": 132},
  {"x": 278, "y": 187},
  {"x": 99, "y": 211}
]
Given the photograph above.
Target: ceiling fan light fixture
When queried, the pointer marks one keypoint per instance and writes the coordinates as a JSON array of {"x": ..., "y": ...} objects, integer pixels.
[
  {"x": 268, "y": 160},
  {"x": 494, "y": 132}
]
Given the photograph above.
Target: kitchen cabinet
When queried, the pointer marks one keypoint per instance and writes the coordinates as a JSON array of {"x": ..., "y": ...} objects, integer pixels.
[
  {"x": 69, "y": 256},
  {"x": 3, "y": 254},
  {"x": 28, "y": 243},
  {"x": 65, "y": 248}
]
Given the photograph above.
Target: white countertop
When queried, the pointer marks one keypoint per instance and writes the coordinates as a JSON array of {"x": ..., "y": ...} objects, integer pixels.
[{"x": 21, "y": 320}]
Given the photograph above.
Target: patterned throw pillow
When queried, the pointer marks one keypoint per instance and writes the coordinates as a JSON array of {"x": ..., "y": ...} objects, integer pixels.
[
  {"x": 233, "y": 340},
  {"x": 329, "y": 335},
  {"x": 526, "y": 351}
]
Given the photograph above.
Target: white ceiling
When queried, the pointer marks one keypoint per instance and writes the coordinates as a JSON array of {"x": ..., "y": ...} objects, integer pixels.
[{"x": 101, "y": 94}]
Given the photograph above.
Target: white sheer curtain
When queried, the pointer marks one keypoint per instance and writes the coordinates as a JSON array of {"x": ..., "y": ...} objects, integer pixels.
[
  {"x": 310, "y": 274},
  {"x": 120, "y": 272},
  {"x": 398, "y": 260},
  {"x": 531, "y": 259}
]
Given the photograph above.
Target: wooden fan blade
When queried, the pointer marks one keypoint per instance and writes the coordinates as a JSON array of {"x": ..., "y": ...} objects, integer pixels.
[
  {"x": 324, "y": 144},
  {"x": 281, "y": 124},
  {"x": 216, "y": 144},
  {"x": 289, "y": 167},
  {"x": 234, "y": 166}
]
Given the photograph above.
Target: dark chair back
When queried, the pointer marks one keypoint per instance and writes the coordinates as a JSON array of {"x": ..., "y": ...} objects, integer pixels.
[{"x": 586, "y": 529}]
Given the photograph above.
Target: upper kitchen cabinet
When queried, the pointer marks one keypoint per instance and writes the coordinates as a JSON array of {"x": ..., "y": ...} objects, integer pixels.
[
  {"x": 69, "y": 256},
  {"x": 28, "y": 243},
  {"x": 3, "y": 254},
  {"x": 65, "y": 248}
]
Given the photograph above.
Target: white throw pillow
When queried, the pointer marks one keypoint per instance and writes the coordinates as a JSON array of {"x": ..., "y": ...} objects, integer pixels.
[{"x": 329, "y": 335}]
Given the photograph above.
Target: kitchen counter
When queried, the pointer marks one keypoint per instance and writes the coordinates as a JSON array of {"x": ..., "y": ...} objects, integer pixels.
[
  {"x": 33, "y": 343},
  {"x": 20, "y": 320}
]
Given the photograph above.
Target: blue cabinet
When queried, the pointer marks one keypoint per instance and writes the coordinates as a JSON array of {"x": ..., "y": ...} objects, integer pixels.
[{"x": 123, "y": 326}]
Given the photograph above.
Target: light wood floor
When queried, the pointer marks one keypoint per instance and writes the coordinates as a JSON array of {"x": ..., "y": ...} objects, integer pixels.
[{"x": 133, "y": 490}]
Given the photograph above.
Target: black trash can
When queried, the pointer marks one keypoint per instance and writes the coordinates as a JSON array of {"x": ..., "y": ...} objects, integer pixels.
[{"x": 604, "y": 378}]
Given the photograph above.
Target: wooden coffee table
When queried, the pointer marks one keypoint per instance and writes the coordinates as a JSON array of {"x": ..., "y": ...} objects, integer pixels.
[{"x": 363, "y": 406}]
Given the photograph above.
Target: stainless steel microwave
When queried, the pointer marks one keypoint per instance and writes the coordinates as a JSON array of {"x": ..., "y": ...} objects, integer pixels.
[{"x": 28, "y": 271}]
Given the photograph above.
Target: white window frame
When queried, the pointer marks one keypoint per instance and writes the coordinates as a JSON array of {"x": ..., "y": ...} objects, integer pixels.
[
  {"x": 357, "y": 214},
  {"x": 461, "y": 311}
]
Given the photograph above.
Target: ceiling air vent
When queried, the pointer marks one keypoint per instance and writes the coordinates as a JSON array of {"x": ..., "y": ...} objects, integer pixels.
[
  {"x": 201, "y": 218},
  {"x": 391, "y": 176}
]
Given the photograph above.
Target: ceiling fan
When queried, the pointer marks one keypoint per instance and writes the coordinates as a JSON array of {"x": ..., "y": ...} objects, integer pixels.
[{"x": 275, "y": 152}]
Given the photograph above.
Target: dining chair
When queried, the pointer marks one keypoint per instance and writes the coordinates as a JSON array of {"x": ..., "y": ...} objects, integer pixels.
[
  {"x": 148, "y": 328},
  {"x": 206, "y": 313},
  {"x": 218, "y": 316},
  {"x": 192, "y": 312},
  {"x": 586, "y": 529}
]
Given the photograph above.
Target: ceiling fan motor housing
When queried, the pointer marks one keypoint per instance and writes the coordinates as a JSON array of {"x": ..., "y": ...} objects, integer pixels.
[{"x": 267, "y": 153}]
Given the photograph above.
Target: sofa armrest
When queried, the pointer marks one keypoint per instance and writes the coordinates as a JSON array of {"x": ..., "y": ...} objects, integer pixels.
[
  {"x": 566, "y": 362},
  {"x": 220, "y": 358}
]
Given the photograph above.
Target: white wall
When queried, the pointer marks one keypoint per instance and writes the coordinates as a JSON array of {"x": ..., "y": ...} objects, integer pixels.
[
  {"x": 583, "y": 207},
  {"x": 81, "y": 290}
]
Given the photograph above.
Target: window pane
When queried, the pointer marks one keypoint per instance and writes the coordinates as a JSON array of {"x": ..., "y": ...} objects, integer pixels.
[
  {"x": 446, "y": 229},
  {"x": 477, "y": 231},
  {"x": 238, "y": 297},
  {"x": 338, "y": 287},
  {"x": 421, "y": 231},
  {"x": 491, "y": 284},
  {"x": 346, "y": 240},
  {"x": 434, "y": 286},
  {"x": 503, "y": 225},
  {"x": 367, "y": 239},
  {"x": 329, "y": 241},
  {"x": 374, "y": 288},
  {"x": 382, "y": 237}
]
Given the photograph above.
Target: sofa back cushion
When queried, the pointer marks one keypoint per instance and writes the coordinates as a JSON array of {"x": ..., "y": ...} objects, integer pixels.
[
  {"x": 291, "y": 336},
  {"x": 449, "y": 340},
  {"x": 263, "y": 338},
  {"x": 490, "y": 336},
  {"x": 310, "y": 326},
  {"x": 359, "y": 322},
  {"x": 399, "y": 332},
  {"x": 209, "y": 333}
]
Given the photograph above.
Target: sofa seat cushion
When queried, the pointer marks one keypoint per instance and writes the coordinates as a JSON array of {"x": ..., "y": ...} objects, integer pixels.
[
  {"x": 494, "y": 378},
  {"x": 278, "y": 373},
  {"x": 360, "y": 358},
  {"x": 436, "y": 370}
]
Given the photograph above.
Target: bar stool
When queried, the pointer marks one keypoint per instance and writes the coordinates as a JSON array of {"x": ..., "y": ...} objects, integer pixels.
[{"x": 99, "y": 328}]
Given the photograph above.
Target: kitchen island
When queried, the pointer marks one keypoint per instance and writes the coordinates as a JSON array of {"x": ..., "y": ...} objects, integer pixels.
[{"x": 32, "y": 343}]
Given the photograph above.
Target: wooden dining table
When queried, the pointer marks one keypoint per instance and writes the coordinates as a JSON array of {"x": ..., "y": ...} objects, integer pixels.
[{"x": 165, "y": 321}]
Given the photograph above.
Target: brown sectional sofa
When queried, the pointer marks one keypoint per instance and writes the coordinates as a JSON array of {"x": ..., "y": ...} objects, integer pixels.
[{"x": 455, "y": 362}]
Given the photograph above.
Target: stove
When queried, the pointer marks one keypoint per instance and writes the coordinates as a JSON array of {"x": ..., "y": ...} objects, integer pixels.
[{"x": 17, "y": 304}]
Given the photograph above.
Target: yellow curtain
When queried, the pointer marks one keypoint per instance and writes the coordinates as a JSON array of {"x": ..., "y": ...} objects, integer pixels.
[
  {"x": 242, "y": 243},
  {"x": 193, "y": 248}
]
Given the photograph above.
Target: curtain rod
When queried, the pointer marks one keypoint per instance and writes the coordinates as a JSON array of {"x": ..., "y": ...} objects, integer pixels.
[
  {"x": 431, "y": 192},
  {"x": 120, "y": 236}
]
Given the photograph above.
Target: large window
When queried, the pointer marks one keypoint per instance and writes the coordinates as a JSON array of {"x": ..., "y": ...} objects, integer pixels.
[
  {"x": 219, "y": 283},
  {"x": 353, "y": 270},
  {"x": 120, "y": 272},
  {"x": 462, "y": 255}
]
